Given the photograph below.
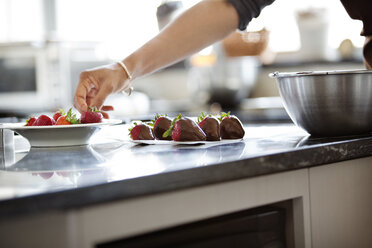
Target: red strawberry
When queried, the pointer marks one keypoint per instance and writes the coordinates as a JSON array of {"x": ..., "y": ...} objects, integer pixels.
[
  {"x": 68, "y": 119},
  {"x": 62, "y": 121},
  {"x": 211, "y": 127},
  {"x": 30, "y": 121},
  {"x": 141, "y": 132},
  {"x": 44, "y": 120},
  {"x": 161, "y": 124},
  {"x": 231, "y": 127},
  {"x": 93, "y": 115},
  {"x": 185, "y": 129},
  {"x": 58, "y": 114}
]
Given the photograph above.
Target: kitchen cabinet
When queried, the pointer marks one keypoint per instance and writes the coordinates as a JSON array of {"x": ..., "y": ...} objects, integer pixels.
[
  {"x": 341, "y": 204},
  {"x": 90, "y": 226}
]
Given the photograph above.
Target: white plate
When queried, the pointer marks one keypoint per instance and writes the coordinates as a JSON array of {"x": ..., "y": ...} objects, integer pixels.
[
  {"x": 171, "y": 142},
  {"x": 61, "y": 135}
]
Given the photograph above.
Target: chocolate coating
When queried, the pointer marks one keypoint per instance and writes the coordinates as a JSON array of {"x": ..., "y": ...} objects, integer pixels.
[
  {"x": 211, "y": 128},
  {"x": 188, "y": 130},
  {"x": 146, "y": 133},
  {"x": 161, "y": 125},
  {"x": 231, "y": 128}
]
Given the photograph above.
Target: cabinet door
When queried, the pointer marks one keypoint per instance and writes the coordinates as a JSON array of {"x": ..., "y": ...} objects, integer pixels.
[{"x": 341, "y": 204}]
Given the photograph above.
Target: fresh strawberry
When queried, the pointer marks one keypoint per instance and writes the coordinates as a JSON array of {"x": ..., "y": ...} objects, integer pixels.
[
  {"x": 44, "y": 120},
  {"x": 185, "y": 129},
  {"x": 210, "y": 125},
  {"x": 62, "y": 121},
  {"x": 160, "y": 125},
  {"x": 30, "y": 121},
  {"x": 68, "y": 119},
  {"x": 141, "y": 132},
  {"x": 231, "y": 127},
  {"x": 93, "y": 115},
  {"x": 58, "y": 114}
]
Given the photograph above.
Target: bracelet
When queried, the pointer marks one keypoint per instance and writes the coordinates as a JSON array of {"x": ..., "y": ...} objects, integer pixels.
[{"x": 125, "y": 69}]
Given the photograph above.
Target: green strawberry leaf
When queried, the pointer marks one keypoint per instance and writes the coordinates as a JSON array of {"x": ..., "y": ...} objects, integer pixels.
[
  {"x": 28, "y": 120},
  {"x": 170, "y": 130},
  {"x": 71, "y": 117},
  {"x": 202, "y": 116},
  {"x": 94, "y": 109},
  {"x": 61, "y": 111},
  {"x": 223, "y": 115}
]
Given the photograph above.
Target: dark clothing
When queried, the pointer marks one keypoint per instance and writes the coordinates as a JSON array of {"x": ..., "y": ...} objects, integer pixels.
[
  {"x": 360, "y": 10},
  {"x": 357, "y": 9},
  {"x": 248, "y": 9}
]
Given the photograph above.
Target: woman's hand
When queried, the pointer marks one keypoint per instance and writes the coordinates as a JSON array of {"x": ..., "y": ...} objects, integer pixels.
[{"x": 96, "y": 84}]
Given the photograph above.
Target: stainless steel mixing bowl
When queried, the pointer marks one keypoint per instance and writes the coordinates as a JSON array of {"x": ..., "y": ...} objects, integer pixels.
[{"x": 328, "y": 103}]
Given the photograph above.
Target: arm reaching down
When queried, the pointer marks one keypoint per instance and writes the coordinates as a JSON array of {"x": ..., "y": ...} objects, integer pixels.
[{"x": 198, "y": 27}]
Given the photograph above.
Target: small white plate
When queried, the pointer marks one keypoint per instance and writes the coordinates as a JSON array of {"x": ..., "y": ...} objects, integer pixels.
[
  {"x": 60, "y": 135},
  {"x": 171, "y": 142}
]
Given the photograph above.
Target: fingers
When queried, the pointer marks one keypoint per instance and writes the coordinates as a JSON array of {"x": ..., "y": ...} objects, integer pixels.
[
  {"x": 80, "y": 96},
  {"x": 107, "y": 108},
  {"x": 93, "y": 88},
  {"x": 105, "y": 115},
  {"x": 101, "y": 96}
]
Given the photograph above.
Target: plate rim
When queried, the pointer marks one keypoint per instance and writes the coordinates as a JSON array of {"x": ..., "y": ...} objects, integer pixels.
[{"x": 21, "y": 126}]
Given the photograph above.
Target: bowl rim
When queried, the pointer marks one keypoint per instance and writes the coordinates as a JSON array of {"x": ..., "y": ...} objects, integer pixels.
[{"x": 318, "y": 73}]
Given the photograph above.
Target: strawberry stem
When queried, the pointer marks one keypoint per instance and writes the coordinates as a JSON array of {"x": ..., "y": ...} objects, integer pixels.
[
  {"x": 202, "y": 116},
  {"x": 223, "y": 115},
  {"x": 94, "y": 109},
  {"x": 170, "y": 130}
]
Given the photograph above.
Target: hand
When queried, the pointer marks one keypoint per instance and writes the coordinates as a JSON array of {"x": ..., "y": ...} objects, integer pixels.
[{"x": 96, "y": 84}]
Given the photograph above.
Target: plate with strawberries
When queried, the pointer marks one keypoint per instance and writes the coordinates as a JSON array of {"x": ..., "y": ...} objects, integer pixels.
[
  {"x": 62, "y": 129},
  {"x": 182, "y": 130}
]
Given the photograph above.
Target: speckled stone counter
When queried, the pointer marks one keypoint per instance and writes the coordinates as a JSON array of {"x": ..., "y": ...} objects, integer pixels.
[{"x": 112, "y": 168}]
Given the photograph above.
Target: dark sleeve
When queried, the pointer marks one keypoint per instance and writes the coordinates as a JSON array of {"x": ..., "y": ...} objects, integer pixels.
[
  {"x": 360, "y": 10},
  {"x": 248, "y": 9}
]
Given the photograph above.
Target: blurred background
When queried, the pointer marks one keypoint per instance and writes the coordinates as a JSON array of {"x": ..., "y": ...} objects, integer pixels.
[{"x": 45, "y": 44}]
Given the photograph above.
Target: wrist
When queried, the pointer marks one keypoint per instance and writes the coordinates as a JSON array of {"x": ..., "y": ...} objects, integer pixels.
[{"x": 124, "y": 67}]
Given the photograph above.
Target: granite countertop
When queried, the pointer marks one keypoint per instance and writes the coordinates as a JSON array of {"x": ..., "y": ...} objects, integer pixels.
[{"x": 112, "y": 168}]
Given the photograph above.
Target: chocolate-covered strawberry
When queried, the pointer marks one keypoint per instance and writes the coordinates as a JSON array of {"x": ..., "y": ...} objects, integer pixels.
[
  {"x": 160, "y": 125},
  {"x": 211, "y": 126},
  {"x": 141, "y": 132},
  {"x": 185, "y": 129},
  {"x": 231, "y": 127}
]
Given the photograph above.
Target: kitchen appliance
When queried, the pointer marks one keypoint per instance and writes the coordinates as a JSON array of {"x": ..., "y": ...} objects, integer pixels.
[
  {"x": 328, "y": 103},
  {"x": 42, "y": 77},
  {"x": 28, "y": 77}
]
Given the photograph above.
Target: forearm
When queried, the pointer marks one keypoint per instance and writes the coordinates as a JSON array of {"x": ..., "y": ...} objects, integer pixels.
[{"x": 200, "y": 26}]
